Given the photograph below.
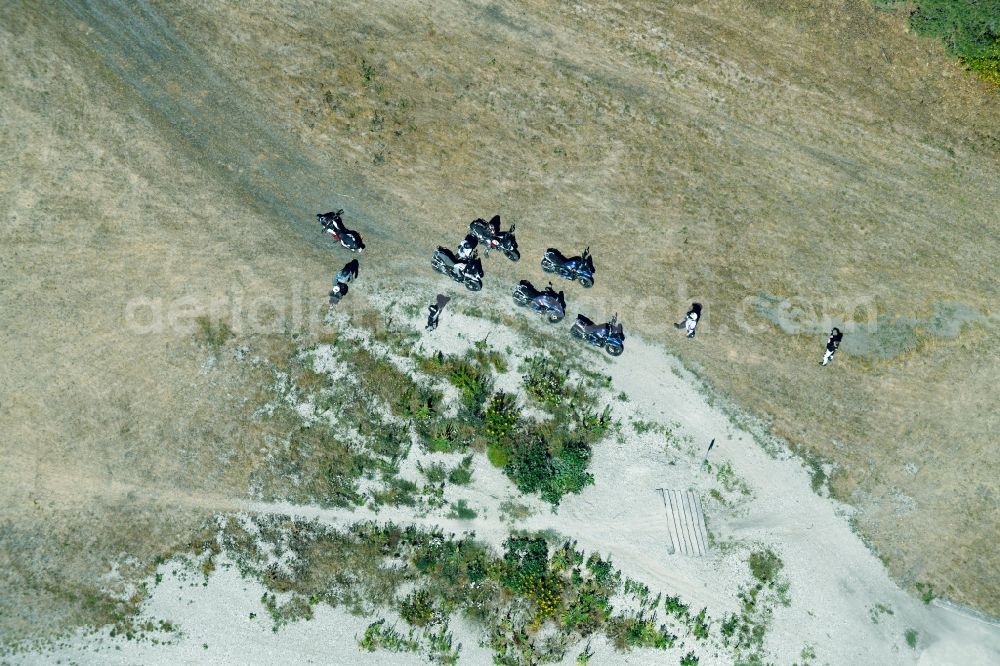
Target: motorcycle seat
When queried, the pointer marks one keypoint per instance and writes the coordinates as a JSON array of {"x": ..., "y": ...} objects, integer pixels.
[
  {"x": 556, "y": 254},
  {"x": 448, "y": 253}
]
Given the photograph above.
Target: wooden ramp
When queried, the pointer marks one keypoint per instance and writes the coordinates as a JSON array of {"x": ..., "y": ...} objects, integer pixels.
[{"x": 685, "y": 522}]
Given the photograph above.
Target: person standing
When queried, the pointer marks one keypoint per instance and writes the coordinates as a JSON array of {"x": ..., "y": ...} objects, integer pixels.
[
  {"x": 832, "y": 345},
  {"x": 434, "y": 311},
  {"x": 691, "y": 319},
  {"x": 338, "y": 292}
]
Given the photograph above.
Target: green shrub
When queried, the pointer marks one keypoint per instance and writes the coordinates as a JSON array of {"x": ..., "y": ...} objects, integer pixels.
[
  {"x": 638, "y": 630},
  {"x": 497, "y": 455},
  {"x": 462, "y": 511},
  {"x": 969, "y": 29},
  {"x": 417, "y": 609},
  {"x": 525, "y": 560},
  {"x": 434, "y": 473},
  {"x": 544, "y": 380},
  {"x": 533, "y": 467},
  {"x": 765, "y": 565},
  {"x": 462, "y": 474},
  {"x": 690, "y": 659},
  {"x": 379, "y": 637},
  {"x": 395, "y": 492},
  {"x": 470, "y": 374},
  {"x": 501, "y": 416},
  {"x": 212, "y": 334}
]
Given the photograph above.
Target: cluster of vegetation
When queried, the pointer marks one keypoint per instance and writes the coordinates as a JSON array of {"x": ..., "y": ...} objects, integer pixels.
[
  {"x": 322, "y": 461},
  {"x": 549, "y": 457},
  {"x": 969, "y": 29},
  {"x": 744, "y": 632},
  {"x": 535, "y": 601},
  {"x": 379, "y": 407}
]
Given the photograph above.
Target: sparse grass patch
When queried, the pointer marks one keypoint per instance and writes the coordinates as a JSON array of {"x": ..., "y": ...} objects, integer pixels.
[
  {"x": 926, "y": 592},
  {"x": 461, "y": 474},
  {"x": 765, "y": 566},
  {"x": 878, "y": 610},
  {"x": 744, "y": 632},
  {"x": 212, "y": 333},
  {"x": 380, "y": 637},
  {"x": 911, "y": 637},
  {"x": 295, "y": 608},
  {"x": 462, "y": 511}
]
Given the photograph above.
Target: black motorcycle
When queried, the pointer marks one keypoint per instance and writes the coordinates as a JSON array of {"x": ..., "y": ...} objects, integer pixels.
[
  {"x": 549, "y": 302},
  {"x": 333, "y": 225},
  {"x": 574, "y": 268},
  {"x": 611, "y": 336},
  {"x": 490, "y": 235},
  {"x": 471, "y": 274}
]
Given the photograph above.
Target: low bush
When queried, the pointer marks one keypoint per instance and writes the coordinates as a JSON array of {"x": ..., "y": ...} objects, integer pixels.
[
  {"x": 462, "y": 511},
  {"x": 969, "y": 29},
  {"x": 511, "y": 595},
  {"x": 552, "y": 468},
  {"x": 417, "y": 609},
  {"x": 501, "y": 417},
  {"x": 380, "y": 637}
]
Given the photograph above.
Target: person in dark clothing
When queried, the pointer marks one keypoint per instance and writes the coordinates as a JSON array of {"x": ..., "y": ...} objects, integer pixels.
[
  {"x": 434, "y": 311},
  {"x": 466, "y": 247},
  {"x": 339, "y": 291},
  {"x": 832, "y": 345},
  {"x": 691, "y": 319},
  {"x": 349, "y": 273}
]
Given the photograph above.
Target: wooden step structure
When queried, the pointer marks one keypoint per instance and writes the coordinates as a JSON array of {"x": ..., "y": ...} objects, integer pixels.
[{"x": 685, "y": 522}]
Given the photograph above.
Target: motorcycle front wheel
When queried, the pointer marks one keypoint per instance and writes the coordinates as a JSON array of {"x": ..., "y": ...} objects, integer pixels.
[
  {"x": 473, "y": 285},
  {"x": 586, "y": 282},
  {"x": 513, "y": 255},
  {"x": 614, "y": 350}
]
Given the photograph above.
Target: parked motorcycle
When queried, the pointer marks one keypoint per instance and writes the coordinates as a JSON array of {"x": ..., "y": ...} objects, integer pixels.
[
  {"x": 490, "y": 235},
  {"x": 611, "y": 336},
  {"x": 549, "y": 302},
  {"x": 333, "y": 224},
  {"x": 574, "y": 268},
  {"x": 471, "y": 275}
]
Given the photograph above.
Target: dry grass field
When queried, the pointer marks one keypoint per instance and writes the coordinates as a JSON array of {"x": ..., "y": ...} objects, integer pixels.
[{"x": 718, "y": 151}]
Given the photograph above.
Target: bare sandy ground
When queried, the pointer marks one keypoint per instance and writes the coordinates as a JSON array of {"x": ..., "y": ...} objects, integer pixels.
[{"x": 835, "y": 581}]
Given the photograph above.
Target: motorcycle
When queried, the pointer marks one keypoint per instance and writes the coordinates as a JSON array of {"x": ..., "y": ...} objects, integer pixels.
[
  {"x": 611, "y": 336},
  {"x": 574, "y": 268},
  {"x": 444, "y": 261},
  {"x": 548, "y": 302},
  {"x": 333, "y": 225},
  {"x": 489, "y": 234}
]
